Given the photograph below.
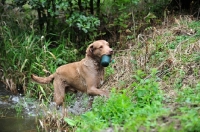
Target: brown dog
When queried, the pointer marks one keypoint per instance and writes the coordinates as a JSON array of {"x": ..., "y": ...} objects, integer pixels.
[{"x": 85, "y": 75}]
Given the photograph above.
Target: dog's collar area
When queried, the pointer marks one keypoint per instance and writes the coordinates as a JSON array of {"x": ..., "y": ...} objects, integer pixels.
[
  {"x": 94, "y": 58},
  {"x": 90, "y": 62}
]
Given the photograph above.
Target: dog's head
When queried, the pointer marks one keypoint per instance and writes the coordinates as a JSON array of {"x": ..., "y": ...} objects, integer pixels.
[{"x": 98, "y": 48}]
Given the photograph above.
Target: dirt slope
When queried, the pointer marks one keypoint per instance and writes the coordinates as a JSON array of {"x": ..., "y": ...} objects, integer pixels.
[{"x": 169, "y": 48}]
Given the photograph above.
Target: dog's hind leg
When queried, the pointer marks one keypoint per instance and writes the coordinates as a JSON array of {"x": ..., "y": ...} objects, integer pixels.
[{"x": 59, "y": 91}]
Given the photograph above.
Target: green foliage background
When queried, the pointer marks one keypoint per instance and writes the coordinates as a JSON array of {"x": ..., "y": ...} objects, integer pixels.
[{"x": 37, "y": 36}]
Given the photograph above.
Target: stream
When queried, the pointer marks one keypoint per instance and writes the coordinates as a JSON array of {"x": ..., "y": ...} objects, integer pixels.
[
  {"x": 21, "y": 114},
  {"x": 14, "y": 118}
]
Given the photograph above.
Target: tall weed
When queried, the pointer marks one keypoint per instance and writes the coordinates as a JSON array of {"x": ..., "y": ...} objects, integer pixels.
[{"x": 28, "y": 53}]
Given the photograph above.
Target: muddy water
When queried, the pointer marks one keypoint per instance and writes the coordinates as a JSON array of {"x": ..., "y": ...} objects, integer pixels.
[
  {"x": 20, "y": 114},
  {"x": 15, "y": 118}
]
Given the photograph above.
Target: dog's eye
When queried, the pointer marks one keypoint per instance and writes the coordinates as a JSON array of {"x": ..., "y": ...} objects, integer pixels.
[{"x": 101, "y": 47}]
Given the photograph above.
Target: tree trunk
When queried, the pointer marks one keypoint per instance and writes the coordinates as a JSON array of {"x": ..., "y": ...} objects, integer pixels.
[
  {"x": 54, "y": 16},
  {"x": 98, "y": 7},
  {"x": 40, "y": 19},
  {"x": 91, "y": 7},
  {"x": 80, "y": 6}
]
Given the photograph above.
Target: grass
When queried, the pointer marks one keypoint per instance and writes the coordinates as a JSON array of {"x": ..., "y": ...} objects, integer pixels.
[
  {"x": 125, "y": 110},
  {"x": 154, "y": 85},
  {"x": 30, "y": 54},
  {"x": 161, "y": 91}
]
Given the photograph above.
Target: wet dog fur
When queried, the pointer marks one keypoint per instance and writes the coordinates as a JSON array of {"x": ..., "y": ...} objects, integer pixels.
[{"x": 85, "y": 75}]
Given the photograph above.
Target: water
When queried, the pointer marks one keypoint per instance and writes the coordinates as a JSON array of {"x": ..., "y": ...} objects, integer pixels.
[
  {"x": 20, "y": 114},
  {"x": 15, "y": 118},
  {"x": 16, "y": 124}
]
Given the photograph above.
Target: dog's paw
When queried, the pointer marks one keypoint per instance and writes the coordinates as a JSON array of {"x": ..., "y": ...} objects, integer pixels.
[{"x": 106, "y": 93}]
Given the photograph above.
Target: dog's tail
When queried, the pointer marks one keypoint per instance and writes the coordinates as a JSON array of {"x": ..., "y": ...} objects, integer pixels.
[{"x": 43, "y": 80}]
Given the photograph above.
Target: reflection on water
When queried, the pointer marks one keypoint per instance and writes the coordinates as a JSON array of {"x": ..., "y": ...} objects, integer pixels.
[
  {"x": 15, "y": 118},
  {"x": 18, "y": 124}
]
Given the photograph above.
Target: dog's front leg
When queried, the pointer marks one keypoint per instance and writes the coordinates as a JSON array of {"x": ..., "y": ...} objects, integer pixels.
[{"x": 93, "y": 90}]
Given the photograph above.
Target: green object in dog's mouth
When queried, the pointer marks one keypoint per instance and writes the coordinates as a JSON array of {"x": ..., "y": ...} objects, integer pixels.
[{"x": 105, "y": 60}]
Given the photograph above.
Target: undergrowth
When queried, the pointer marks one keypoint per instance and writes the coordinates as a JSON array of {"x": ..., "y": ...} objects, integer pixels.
[
  {"x": 125, "y": 110},
  {"x": 154, "y": 85},
  {"x": 160, "y": 94},
  {"x": 28, "y": 54}
]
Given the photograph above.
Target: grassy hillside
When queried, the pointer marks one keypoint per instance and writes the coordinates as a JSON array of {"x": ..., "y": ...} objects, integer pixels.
[{"x": 155, "y": 84}]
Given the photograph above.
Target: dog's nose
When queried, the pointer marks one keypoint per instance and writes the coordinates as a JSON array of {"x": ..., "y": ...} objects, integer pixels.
[{"x": 111, "y": 51}]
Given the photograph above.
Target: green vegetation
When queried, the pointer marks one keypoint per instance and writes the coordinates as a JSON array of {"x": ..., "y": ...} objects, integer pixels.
[
  {"x": 165, "y": 98},
  {"x": 29, "y": 54},
  {"x": 154, "y": 78},
  {"x": 125, "y": 110}
]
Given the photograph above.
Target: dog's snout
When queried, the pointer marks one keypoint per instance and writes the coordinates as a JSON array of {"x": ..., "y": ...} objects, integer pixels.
[{"x": 111, "y": 51}]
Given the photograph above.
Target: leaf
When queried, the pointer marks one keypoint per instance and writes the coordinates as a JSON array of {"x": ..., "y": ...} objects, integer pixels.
[
  {"x": 52, "y": 55},
  {"x": 70, "y": 121},
  {"x": 41, "y": 88},
  {"x": 149, "y": 16},
  {"x": 23, "y": 65}
]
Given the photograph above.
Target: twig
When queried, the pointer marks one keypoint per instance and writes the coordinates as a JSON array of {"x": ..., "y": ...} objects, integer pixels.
[{"x": 198, "y": 14}]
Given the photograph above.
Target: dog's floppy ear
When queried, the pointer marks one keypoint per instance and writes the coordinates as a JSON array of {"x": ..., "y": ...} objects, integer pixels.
[{"x": 89, "y": 50}]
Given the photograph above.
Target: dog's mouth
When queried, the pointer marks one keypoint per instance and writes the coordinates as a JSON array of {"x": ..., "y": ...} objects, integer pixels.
[
  {"x": 109, "y": 55},
  {"x": 107, "y": 58}
]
